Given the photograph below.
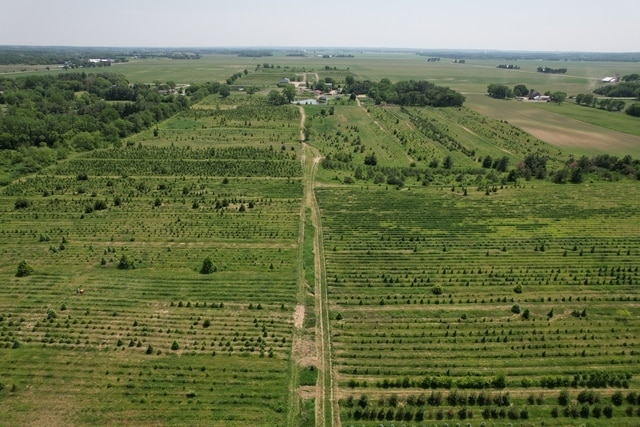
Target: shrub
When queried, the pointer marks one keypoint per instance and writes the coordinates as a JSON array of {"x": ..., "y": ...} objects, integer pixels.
[
  {"x": 370, "y": 159},
  {"x": 22, "y": 203},
  {"x": 100, "y": 205},
  {"x": 363, "y": 401},
  {"x": 207, "y": 266},
  {"x": 500, "y": 381},
  {"x": 584, "y": 411},
  {"x": 24, "y": 269},
  {"x": 437, "y": 289},
  {"x": 633, "y": 110},
  {"x": 617, "y": 398},
  {"x": 563, "y": 398},
  {"x": 175, "y": 346},
  {"x": 125, "y": 263}
]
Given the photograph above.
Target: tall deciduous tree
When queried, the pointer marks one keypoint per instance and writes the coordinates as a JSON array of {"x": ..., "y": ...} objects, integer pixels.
[
  {"x": 499, "y": 91},
  {"x": 558, "y": 97},
  {"x": 289, "y": 93},
  {"x": 276, "y": 98},
  {"x": 633, "y": 110},
  {"x": 224, "y": 91},
  {"x": 520, "y": 90}
]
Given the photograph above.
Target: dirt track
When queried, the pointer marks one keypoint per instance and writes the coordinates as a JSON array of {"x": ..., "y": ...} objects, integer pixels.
[{"x": 305, "y": 351}]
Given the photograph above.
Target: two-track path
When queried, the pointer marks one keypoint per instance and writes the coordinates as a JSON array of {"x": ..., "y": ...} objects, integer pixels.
[{"x": 326, "y": 413}]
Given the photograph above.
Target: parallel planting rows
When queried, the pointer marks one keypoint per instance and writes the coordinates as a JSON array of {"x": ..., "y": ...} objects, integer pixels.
[
  {"x": 163, "y": 279},
  {"x": 515, "y": 295}
]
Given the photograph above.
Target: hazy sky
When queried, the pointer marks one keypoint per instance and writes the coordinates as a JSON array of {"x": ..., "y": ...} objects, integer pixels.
[{"x": 548, "y": 25}]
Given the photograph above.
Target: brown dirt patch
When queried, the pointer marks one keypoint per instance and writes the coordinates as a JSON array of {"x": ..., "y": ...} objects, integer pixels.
[{"x": 298, "y": 316}]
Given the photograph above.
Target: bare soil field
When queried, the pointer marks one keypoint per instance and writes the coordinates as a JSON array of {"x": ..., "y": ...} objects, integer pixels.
[{"x": 556, "y": 129}]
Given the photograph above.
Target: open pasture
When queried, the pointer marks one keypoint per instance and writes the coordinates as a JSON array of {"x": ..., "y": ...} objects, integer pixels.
[{"x": 426, "y": 300}]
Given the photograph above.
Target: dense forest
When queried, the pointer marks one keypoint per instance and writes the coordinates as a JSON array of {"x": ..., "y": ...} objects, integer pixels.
[{"x": 45, "y": 117}]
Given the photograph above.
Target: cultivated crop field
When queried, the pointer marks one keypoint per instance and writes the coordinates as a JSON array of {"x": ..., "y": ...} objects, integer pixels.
[
  {"x": 401, "y": 266},
  {"x": 434, "y": 299},
  {"x": 117, "y": 325}
]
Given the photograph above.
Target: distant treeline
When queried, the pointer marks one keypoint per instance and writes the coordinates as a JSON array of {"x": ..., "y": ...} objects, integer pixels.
[
  {"x": 254, "y": 53},
  {"x": 509, "y": 66},
  {"x": 548, "y": 70},
  {"x": 56, "y": 56},
  {"x": 408, "y": 93},
  {"x": 528, "y": 55}
]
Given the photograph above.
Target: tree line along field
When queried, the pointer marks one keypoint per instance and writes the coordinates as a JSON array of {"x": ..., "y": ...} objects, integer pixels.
[{"x": 457, "y": 288}]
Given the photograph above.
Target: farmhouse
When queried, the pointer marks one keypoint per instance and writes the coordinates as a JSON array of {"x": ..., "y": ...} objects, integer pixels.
[
  {"x": 98, "y": 61},
  {"x": 614, "y": 79}
]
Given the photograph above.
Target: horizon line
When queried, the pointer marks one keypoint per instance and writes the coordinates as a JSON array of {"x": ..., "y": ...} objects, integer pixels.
[{"x": 347, "y": 48}]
